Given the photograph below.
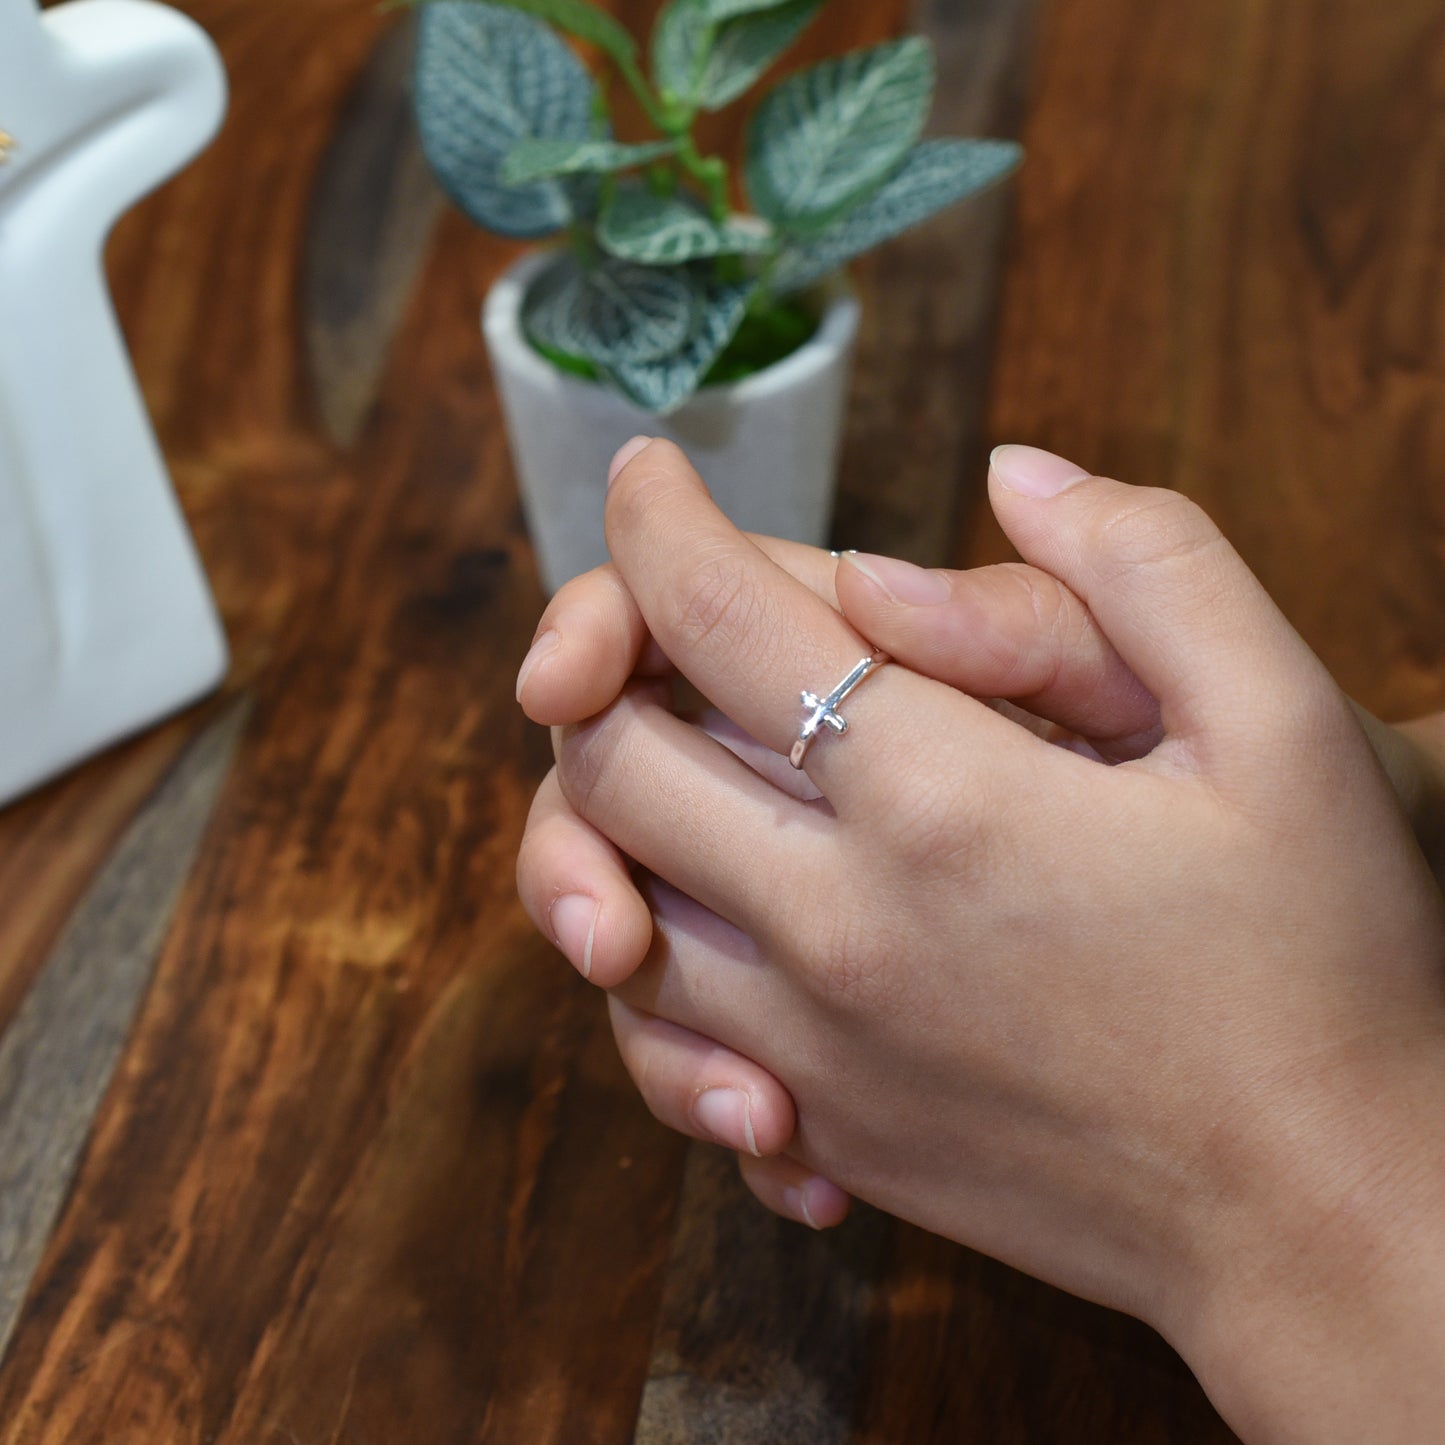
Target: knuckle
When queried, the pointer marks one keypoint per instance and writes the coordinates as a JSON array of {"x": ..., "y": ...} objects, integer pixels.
[
  {"x": 591, "y": 756},
  {"x": 644, "y": 1068},
  {"x": 849, "y": 967},
  {"x": 1155, "y": 528},
  {"x": 574, "y": 593},
  {"x": 533, "y": 852},
  {"x": 1053, "y": 638},
  {"x": 1309, "y": 723},
  {"x": 717, "y": 599},
  {"x": 531, "y": 862},
  {"x": 932, "y": 833}
]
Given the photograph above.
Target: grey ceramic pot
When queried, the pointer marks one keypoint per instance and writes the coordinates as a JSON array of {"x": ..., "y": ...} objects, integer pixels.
[{"x": 767, "y": 446}]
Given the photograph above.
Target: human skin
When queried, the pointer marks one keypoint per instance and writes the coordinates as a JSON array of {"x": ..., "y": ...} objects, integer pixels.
[
  {"x": 1008, "y": 631},
  {"x": 1167, "y": 1034}
]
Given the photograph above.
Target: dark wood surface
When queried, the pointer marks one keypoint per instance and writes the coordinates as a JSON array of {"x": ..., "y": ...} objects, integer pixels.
[{"x": 367, "y": 1169}]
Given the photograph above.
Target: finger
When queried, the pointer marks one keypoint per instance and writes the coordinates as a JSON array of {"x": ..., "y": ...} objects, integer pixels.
[
  {"x": 671, "y": 1064},
  {"x": 763, "y": 761},
  {"x": 706, "y": 975},
  {"x": 751, "y": 638},
  {"x": 1169, "y": 592},
  {"x": 699, "y": 1087},
  {"x": 795, "y": 1192},
  {"x": 577, "y": 888},
  {"x": 689, "y": 811},
  {"x": 590, "y": 640},
  {"x": 592, "y": 637},
  {"x": 812, "y": 566},
  {"x": 1010, "y": 631}
]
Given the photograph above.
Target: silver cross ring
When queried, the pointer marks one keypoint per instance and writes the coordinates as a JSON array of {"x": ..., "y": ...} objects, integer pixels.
[{"x": 823, "y": 711}]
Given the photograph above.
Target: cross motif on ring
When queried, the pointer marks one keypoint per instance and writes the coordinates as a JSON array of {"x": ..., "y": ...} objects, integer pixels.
[{"x": 823, "y": 711}]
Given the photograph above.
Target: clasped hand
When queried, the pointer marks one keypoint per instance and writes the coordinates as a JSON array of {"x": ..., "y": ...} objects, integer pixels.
[{"x": 1123, "y": 979}]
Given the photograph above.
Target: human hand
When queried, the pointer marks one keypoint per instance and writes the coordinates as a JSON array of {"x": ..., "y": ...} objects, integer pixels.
[
  {"x": 1008, "y": 631},
  {"x": 1123, "y": 1027},
  {"x": 1011, "y": 631},
  {"x": 1413, "y": 757}
]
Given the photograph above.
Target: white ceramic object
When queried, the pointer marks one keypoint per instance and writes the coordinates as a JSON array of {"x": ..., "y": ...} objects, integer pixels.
[
  {"x": 767, "y": 446},
  {"x": 106, "y": 622}
]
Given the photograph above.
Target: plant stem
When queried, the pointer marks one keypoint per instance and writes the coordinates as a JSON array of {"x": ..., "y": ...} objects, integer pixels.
[
  {"x": 712, "y": 171},
  {"x": 601, "y": 125},
  {"x": 584, "y": 247}
]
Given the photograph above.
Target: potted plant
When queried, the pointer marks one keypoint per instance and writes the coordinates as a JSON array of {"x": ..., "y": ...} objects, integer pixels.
[{"x": 664, "y": 310}]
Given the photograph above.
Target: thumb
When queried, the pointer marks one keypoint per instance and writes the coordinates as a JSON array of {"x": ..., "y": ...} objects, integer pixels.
[
  {"x": 1010, "y": 631},
  {"x": 1170, "y": 593}
]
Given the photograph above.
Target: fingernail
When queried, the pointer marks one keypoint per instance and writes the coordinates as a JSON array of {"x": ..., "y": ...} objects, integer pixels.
[
  {"x": 1032, "y": 472},
  {"x": 625, "y": 454},
  {"x": 546, "y": 643},
  {"x": 817, "y": 1198},
  {"x": 902, "y": 581},
  {"x": 726, "y": 1114},
  {"x": 573, "y": 920}
]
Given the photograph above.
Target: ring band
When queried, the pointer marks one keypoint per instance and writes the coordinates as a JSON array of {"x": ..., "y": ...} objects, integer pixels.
[{"x": 823, "y": 711}]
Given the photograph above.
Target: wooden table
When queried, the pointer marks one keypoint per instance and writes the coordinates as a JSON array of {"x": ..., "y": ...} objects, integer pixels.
[{"x": 367, "y": 1169}]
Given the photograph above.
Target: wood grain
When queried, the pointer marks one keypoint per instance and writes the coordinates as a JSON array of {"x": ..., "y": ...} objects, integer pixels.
[
  {"x": 1227, "y": 279},
  {"x": 963, "y": 1343},
  {"x": 52, "y": 843},
  {"x": 57, "y": 1055},
  {"x": 368, "y": 1169},
  {"x": 763, "y": 1326},
  {"x": 374, "y": 211}
]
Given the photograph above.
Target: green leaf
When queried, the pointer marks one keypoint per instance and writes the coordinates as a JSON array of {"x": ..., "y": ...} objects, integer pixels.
[
  {"x": 934, "y": 174},
  {"x": 746, "y": 47},
  {"x": 576, "y": 17},
  {"x": 487, "y": 78},
  {"x": 616, "y": 314},
  {"x": 663, "y": 384},
  {"x": 668, "y": 230},
  {"x": 719, "y": 11},
  {"x": 829, "y": 136},
  {"x": 772, "y": 330},
  {"x": 535, "y": 160},
  {"x": 681, "y": 41},
  {"x": 708, "y": 63}
]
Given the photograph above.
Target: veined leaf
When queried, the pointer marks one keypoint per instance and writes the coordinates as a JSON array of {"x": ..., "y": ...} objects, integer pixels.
[
  {"x": 934, "y": 174},
  {"x": 535, "y": 160},
  {"x": 576, "y": 17},
  {"x": 487, "y": 78},
  {"x": 552, "y": 304},
  {"x": 616, "y": 314},
  {"x": 744, "y": 48},
  {"x": 681, "y": 42},
  {"x": 668, "y": 230},
  {"x": 708, "y": 63},
  {"x": 663, "y": 384},
  {"x": 829, "y": 136},
  {"x": 719, "y": 11}
]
